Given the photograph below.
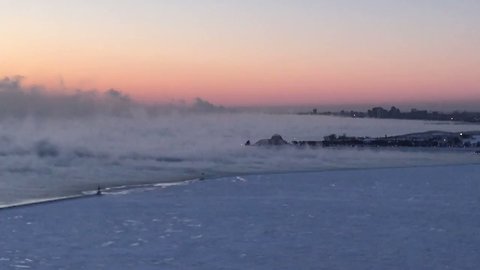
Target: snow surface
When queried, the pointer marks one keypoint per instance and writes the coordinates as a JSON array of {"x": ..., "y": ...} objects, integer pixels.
[{"x": 409, "y": 218}]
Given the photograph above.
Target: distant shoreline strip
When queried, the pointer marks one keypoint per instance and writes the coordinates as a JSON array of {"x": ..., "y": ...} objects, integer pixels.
[{"x": 91, "y": 193}]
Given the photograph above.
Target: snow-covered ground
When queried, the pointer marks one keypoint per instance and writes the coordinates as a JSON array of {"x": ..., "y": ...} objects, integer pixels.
[{"x": 404, "y": 218}]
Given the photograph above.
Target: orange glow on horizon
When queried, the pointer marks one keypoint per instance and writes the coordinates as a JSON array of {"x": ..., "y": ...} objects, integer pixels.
[{"x": 291, "y": 56}]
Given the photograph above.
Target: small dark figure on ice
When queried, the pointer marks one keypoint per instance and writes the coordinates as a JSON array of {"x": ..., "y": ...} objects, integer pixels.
[{"x": 99, "y": 191}]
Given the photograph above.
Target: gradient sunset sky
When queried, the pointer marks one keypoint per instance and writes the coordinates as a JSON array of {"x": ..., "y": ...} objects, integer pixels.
[{"x": 246, "y": 52}]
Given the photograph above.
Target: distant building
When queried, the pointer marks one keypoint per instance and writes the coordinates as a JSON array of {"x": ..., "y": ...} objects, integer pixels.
[
  {"x": 418, "y": 114},
  {"x": 395, "y": 112},
  {"x": 378, "y": 112}
]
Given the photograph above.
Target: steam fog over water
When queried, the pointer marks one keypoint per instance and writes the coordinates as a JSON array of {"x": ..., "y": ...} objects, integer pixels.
[{"x": 54, "y": 145}]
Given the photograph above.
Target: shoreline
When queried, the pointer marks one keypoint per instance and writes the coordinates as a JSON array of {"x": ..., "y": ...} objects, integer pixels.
[
  {"x": 123, "y": 187},
  {"x": 92, "y": 193}
]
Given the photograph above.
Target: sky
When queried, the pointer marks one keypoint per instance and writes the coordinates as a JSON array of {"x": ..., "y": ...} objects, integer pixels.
[{"x": 248, "y": 53}]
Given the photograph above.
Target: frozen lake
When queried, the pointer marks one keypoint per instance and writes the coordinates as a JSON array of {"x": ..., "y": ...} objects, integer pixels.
[{"x": 410, "y": 218}]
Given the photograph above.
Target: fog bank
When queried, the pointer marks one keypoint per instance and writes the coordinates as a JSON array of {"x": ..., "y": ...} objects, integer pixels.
[{"x": 57, "y": 144}]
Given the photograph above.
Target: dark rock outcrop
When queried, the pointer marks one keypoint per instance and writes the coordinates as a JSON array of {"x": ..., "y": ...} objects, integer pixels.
[{"x": 275, "y": 140}]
